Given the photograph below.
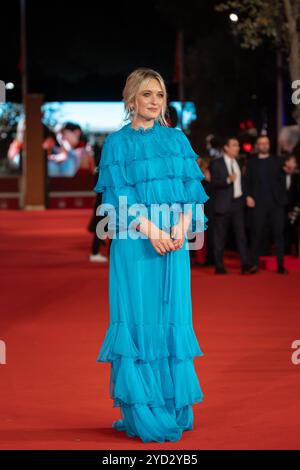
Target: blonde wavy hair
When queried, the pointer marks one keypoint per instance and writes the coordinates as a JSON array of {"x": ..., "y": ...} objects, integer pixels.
[{"x": 134, "y": 83}]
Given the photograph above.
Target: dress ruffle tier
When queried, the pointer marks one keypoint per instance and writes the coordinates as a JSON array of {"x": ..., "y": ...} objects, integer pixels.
[
  {"x": 153, "y": 377},
  {"x": 155, "y": 351},
  {"x": 162, "y": 171}
]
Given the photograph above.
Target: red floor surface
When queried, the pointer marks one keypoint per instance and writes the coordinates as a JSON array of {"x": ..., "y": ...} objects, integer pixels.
[{"x": 54, "y": 312}]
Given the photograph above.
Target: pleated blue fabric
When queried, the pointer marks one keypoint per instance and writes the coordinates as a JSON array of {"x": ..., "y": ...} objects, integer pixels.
[{"x": 150, "y": 340}]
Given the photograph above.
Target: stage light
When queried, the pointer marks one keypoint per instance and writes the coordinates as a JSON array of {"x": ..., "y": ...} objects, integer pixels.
[
  {"x": 233, "y": 17},
  {"x": 10, "y": 86},
  {"x": 247, "y": 147}
]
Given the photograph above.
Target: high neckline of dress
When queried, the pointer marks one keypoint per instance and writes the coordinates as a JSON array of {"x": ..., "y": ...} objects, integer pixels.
[{"x": 142, "y": 130}]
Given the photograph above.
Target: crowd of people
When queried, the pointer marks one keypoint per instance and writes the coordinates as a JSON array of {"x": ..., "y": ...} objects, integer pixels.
[
  {"x": 249, "y": 198},
  {"x": 254, "y": 201}
]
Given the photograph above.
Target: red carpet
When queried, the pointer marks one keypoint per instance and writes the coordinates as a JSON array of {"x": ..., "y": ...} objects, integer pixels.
[{"x": 54, "y": 312}]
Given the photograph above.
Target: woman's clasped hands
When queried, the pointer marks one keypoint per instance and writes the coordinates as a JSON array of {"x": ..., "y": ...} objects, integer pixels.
[
  {"x": 162, "y": 241},
  {"x": 173, "y": 241}
]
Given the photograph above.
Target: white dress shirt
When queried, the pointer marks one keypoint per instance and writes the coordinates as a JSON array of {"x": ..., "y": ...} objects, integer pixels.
[
  {"x": 233, "y": 167},
  {"x": 288, "y": 181}
]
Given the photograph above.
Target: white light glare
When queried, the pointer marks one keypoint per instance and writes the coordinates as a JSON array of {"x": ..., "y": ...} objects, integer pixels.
[{"x": 233, "y": 17}]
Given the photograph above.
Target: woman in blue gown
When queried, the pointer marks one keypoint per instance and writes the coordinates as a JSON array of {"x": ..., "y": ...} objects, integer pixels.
[{"x": 150, "y": 341}]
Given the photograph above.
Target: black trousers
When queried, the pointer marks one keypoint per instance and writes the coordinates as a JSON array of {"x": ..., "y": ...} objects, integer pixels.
[
  {"x": 96, "y": 242},
  {"x": 235, "y": 215},
  {"x": 274, "y": 215}
]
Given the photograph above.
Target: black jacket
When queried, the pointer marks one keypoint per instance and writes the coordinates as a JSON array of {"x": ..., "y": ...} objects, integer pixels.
[
  {"x": 222, "y": 191},
  {"x": 278, "y": 184},
  {"x": 293, "y": 193}
]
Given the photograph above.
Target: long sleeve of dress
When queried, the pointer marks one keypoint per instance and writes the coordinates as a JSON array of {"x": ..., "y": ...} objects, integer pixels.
[
  {"x": 195, "y": 193},
  {"x": 118, "y": 194}
]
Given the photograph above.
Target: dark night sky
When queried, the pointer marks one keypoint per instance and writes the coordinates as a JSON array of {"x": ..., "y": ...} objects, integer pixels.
[{"x": 84, "y": 51}]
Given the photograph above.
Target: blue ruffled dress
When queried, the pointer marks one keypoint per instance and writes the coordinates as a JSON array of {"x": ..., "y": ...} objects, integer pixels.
[{"x": 150, "y": 341}]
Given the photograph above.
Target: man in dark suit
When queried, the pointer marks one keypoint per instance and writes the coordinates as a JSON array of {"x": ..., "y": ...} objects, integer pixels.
[
  {"x": 292, "y": 209},
  {"x": 266, "y": 198},
  {"x": 228, "y": 189}
]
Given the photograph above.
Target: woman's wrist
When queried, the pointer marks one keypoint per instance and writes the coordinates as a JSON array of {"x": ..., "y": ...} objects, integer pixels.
[
  {"x": 154, "y": 233},
  {"x": 146, "y": 227},
  {"x": 185, "y": 220}
]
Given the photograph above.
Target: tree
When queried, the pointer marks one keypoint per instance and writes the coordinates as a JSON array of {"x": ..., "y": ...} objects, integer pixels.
[{"x": 276, "y": 20}]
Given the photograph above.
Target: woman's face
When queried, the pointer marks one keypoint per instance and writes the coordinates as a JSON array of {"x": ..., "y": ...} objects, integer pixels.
[{"x": 149, "y": 100}]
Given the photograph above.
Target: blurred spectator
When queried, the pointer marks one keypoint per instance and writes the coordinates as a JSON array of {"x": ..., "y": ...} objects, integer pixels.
[
  {"x": 65, "y": 161},
  {"x": 292, "y": 180},
  {"x": 15, "y": 150},
  {"x": 266, "y": 198},
  {"x": 227, "y": 184},
  {"x": 214, "y": 146},
  {"x": 97, "y": 243},
  {"x": 204, "y": 163},
  {"x": 85, "y": 154}
]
